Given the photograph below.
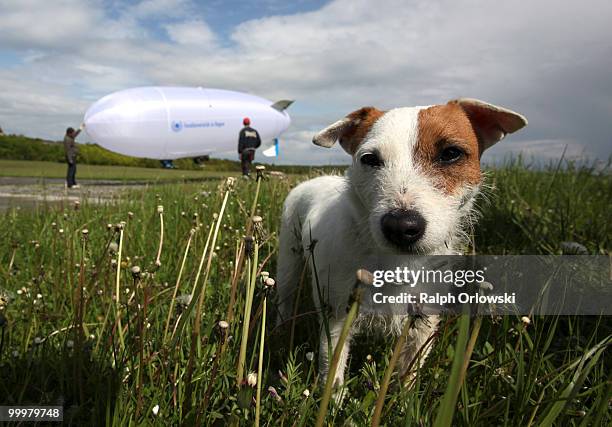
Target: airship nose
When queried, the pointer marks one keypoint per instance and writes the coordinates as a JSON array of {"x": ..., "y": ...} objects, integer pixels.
[{"x": 124, "y": 121}]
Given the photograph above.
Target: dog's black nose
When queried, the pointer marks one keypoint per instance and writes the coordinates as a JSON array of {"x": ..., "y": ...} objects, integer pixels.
[{"x": 403, "y": 228}]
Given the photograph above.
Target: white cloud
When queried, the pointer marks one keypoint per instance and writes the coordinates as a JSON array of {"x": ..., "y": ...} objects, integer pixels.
[
  {"x": 546, "y": 59},
  {"x": 155, "y": 8},
  {"x": 196, "y": 33}
]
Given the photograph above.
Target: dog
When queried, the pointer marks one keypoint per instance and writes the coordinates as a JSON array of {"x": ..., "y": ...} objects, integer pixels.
[{"x": 410, "y": 190}]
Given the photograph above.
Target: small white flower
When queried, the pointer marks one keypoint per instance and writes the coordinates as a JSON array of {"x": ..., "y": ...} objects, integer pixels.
[
  {"x": 309, "y": 356},
  {"x": 252, "y": 379},
  {"x": 19, "y": 292},
  {"x": 155, "y": 410},
  {"x": 526, "y": 320},
  {"x": 39, "y": 296},
  {"x": 223, "y": 324},
  {"x": 306, "y": 393}
]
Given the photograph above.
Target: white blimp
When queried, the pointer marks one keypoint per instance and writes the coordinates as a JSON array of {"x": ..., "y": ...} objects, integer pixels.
[{"x": 169, "y": 123}]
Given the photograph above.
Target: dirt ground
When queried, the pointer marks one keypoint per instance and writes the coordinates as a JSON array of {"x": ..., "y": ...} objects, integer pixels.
[{"x": 28, "y": 193}]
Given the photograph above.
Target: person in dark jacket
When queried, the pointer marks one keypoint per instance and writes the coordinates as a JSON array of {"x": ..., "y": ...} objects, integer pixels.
[
  {"x": 248, "y": 142},
  {"x": 71, "y": 151}
]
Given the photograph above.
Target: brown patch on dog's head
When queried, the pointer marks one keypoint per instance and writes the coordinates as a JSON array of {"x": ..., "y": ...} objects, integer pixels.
[
  {"x": 444, "y": 127},
  {"x": 468, "y": 125},
  {"x": 350, "y": 131}
]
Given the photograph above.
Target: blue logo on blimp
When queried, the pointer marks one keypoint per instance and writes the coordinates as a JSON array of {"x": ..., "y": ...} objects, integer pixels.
[{"x": 177, "y": 126}]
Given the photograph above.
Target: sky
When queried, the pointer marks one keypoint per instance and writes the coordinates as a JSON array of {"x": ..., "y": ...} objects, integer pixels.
[{"x": 550, "y": 60}]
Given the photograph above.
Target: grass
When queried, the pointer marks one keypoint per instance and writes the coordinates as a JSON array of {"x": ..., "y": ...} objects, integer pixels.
[
  {"x": 39, "y": 169},
  {"x": 68, "y": 340}
]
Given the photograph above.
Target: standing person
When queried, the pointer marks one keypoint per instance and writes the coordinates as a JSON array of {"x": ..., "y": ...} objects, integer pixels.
[
  {"x": 71, "y": 151},
  {"x": 248, "y": 142}
]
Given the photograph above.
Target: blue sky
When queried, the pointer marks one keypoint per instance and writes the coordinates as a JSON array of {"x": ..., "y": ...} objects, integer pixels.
[{"x": 549, "y": 60}]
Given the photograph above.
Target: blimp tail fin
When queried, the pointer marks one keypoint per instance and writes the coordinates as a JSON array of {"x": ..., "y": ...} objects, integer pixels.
[
  {"x": 272, "y": 151},
  {"x": 282, "y": 105}
]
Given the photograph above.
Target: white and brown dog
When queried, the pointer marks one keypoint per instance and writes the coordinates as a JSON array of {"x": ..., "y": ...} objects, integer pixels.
[{"x": 410, "y": 190}]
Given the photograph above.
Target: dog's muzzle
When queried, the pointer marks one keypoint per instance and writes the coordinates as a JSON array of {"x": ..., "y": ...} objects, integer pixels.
[{"x": 403, "y": 228}]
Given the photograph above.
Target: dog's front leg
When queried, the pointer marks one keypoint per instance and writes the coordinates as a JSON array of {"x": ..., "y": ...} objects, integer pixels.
[{"x": 335, "y": 328}]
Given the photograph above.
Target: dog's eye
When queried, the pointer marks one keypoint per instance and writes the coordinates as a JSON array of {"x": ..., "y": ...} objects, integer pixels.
[
  {"x": 371, "y": 159},
  {"x": 450, "y": 155}
]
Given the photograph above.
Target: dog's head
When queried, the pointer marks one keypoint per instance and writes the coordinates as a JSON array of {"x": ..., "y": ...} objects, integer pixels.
[{"x": 417, "y": 169}]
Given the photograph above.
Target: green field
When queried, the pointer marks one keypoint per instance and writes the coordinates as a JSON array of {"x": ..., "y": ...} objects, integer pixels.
[
  {"x": 41, "y": 169},
  {"x": 151, "y": 357}
]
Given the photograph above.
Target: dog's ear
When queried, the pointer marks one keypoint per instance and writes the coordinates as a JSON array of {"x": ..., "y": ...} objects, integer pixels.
[
  {"x": 350, "y": 131},
  {"x": 490, "y": 122}
]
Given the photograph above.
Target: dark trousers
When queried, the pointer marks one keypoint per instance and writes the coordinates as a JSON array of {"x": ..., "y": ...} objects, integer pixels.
[
  {"x": 246, "y": 158},
  {"x": 71, "y": 175}
]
